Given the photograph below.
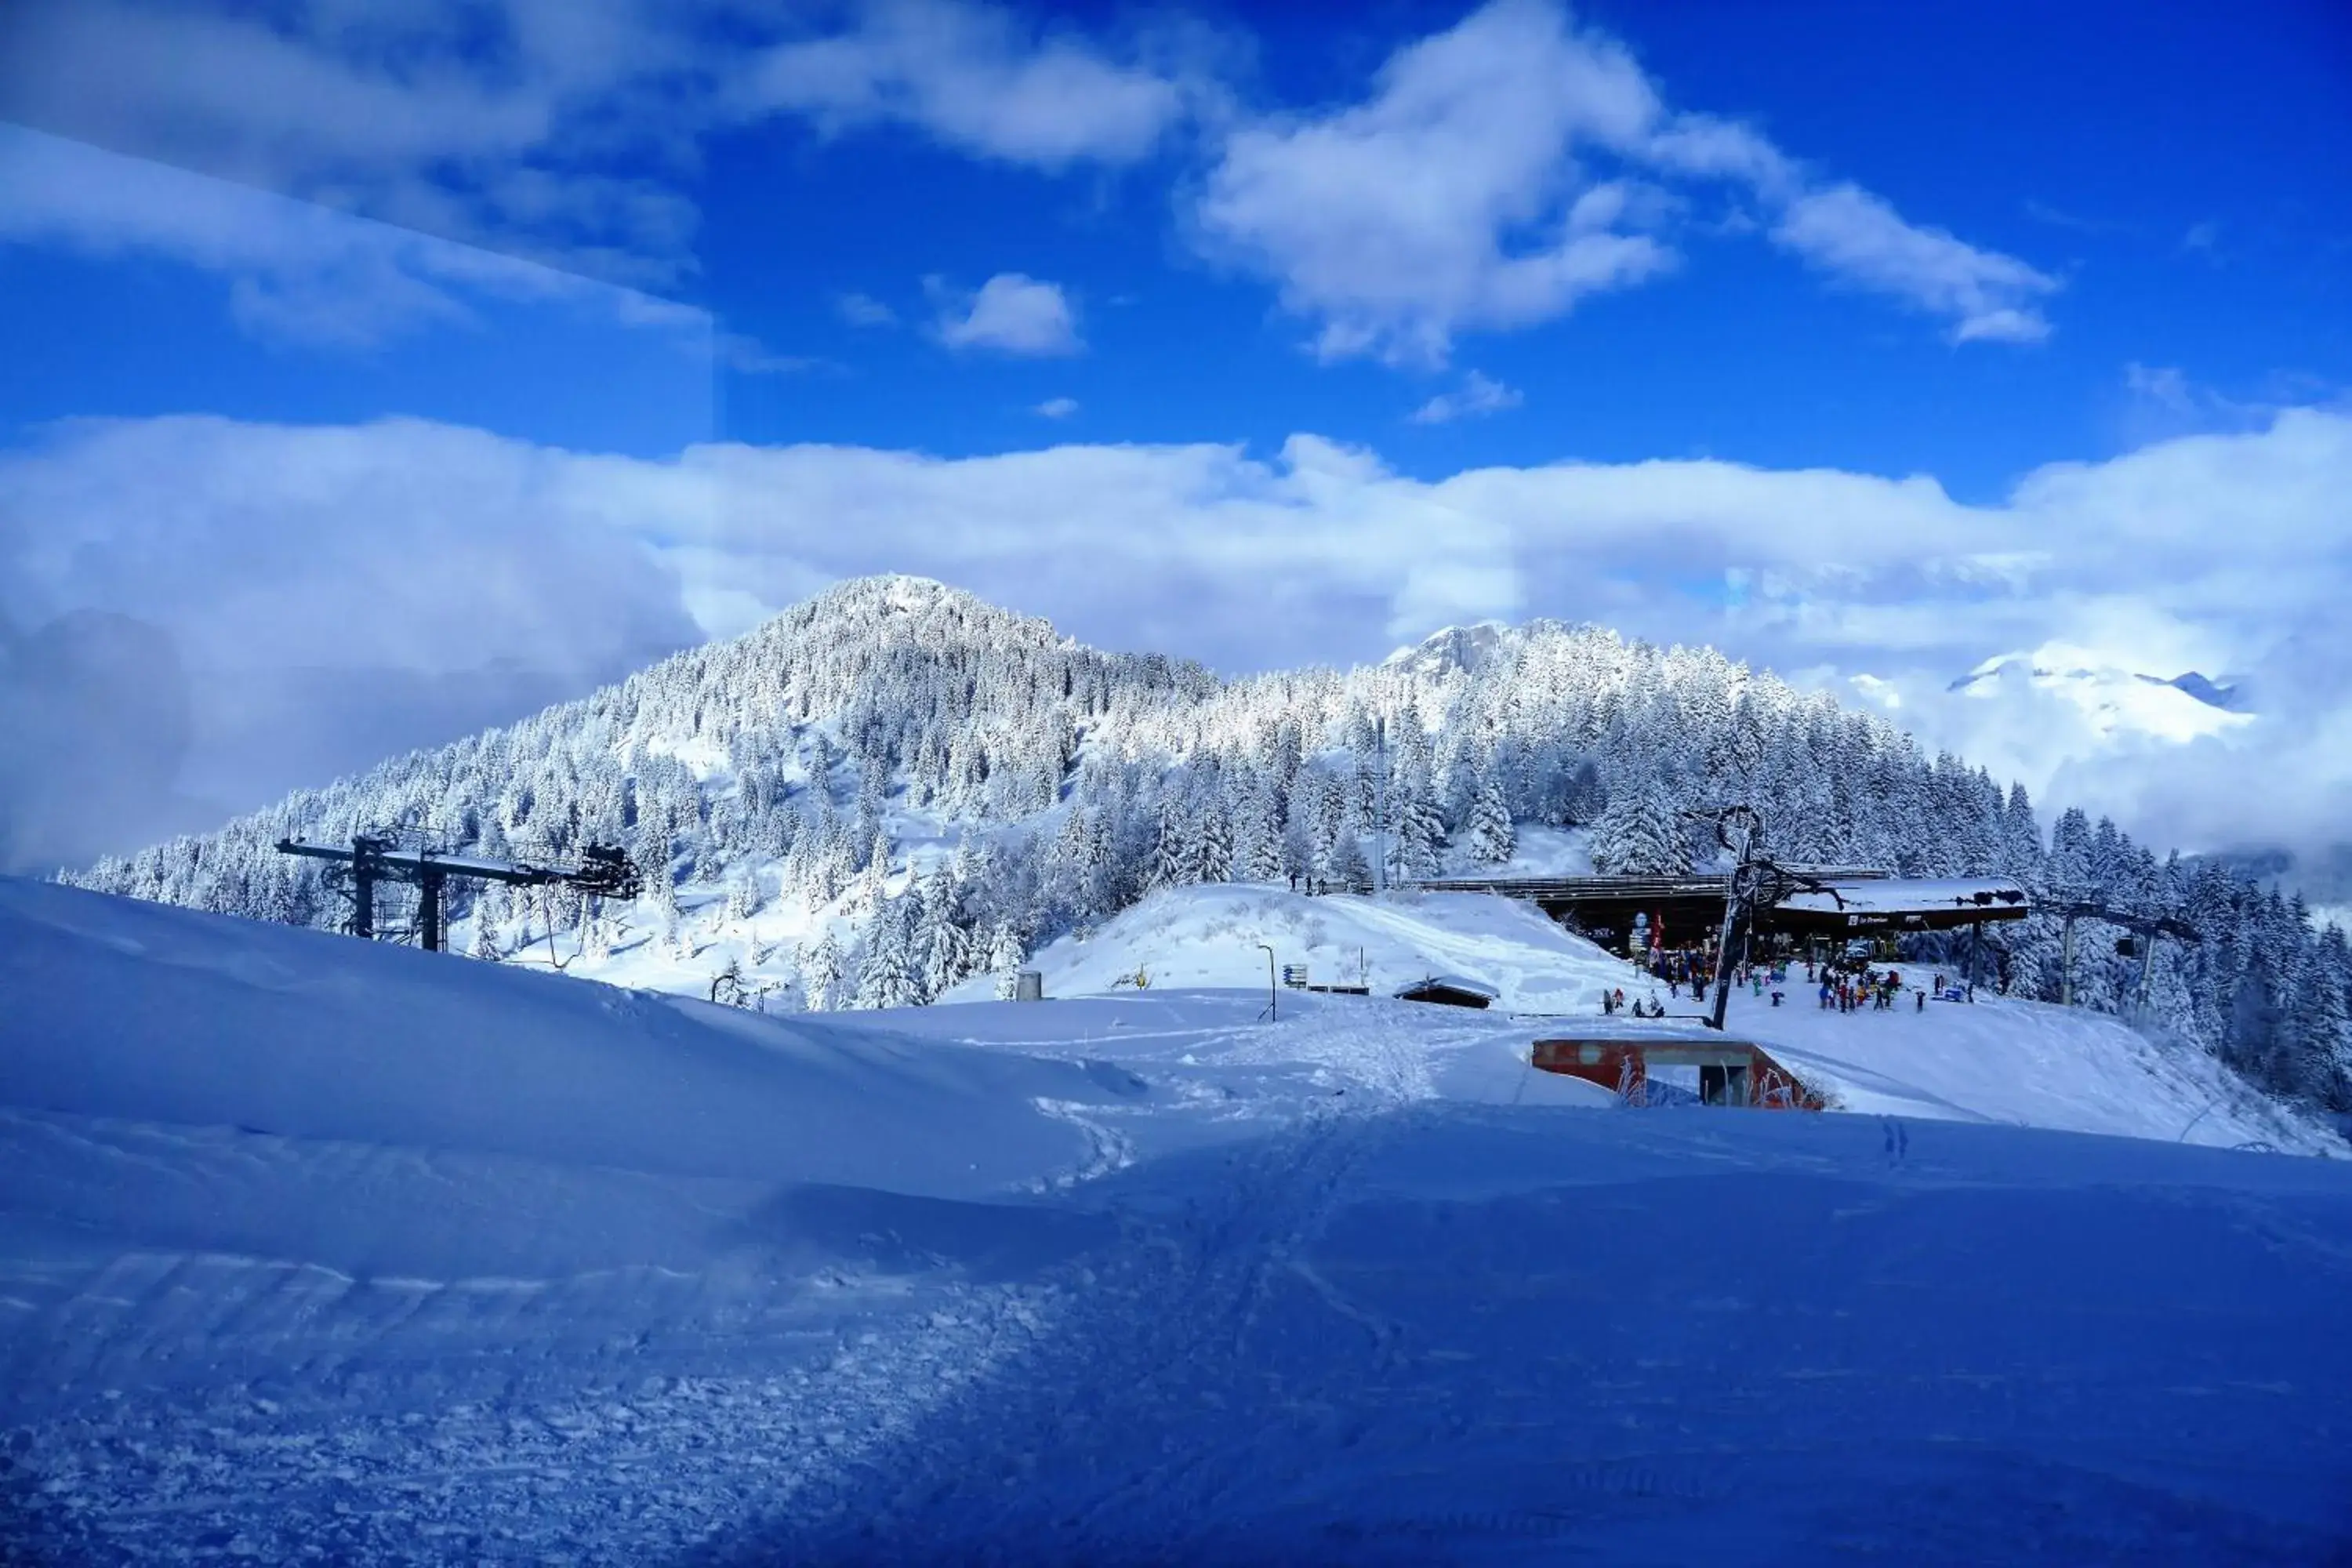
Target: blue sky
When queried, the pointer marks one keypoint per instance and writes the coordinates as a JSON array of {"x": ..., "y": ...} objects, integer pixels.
[
  {"x": 2183, "y": 181},
  {"x": 1870, "y": 341}
]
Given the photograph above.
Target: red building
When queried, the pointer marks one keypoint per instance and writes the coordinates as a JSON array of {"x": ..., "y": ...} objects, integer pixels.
[{"x": 1730, "y": 1072}]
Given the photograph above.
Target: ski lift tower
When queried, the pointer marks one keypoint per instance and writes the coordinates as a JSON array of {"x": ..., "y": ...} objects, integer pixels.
[
  {"x": 2072, "y": 904},
  {"x": 1756, "y": 883},
  {"x": 392, "y": 856}
]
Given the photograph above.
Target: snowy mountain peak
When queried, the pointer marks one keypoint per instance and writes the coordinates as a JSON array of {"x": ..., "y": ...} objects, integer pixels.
[
  {"x": 2225, "y": 698},
  {"x": 2116, "y": 698},
  {"x": 1465, "y": 648}
]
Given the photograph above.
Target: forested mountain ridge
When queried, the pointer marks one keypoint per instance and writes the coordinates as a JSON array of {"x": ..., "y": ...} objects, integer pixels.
[{"x": 923, "y": 786}]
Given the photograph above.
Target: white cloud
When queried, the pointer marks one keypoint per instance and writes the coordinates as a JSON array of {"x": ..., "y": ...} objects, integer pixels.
[
  {"x": 2163, "y": 401},
  {"x": 1503, "y": 171},
  {"x": 296, "y": 271},
  {"x": 1479, "y": 395},
  {"x": 977, "y": 78},
  {"x": 2223, "y": 554},
  {"x": 476, "y": 124},
  {"x": 1854, "y": 235},
  {"x": 1449, "y": 199},
  {"x": 747, "y": 355},
  {"x": 864, "y": 310},
  {"x": 1058, "y": 407},
  {"x": 1497, "y": 174},
  {"x": 1011, "y": 314},
  {"x": 334, "y": 594},
  {"x": 548, "y": 131}
]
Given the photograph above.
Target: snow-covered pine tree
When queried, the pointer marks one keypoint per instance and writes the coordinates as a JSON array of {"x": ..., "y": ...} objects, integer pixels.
[
  {"x": 1212, "y": 860},
  {"x": 743, "y": 894},
  {"x": 874, "y": 883},
  {"x": 821, "y": 969},
  {"x": 1348, "y": 866},
  {"x": 1493, "y": 839},
  {"x": 485, "y": 946},
  {"x": 1005, "y": 957},
  {"x": 886, "y": 977},
  {"x": 1639, "y": 835},
  {"x": 1173, "y": 856},
  {"x": 1419, "y": 834},
  {"x": 1259, "y": 850},
  {"x": 943, "y": 946}
]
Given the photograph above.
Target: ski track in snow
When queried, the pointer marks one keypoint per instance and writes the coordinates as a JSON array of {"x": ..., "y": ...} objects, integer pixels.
[
  {"x": 624, "y": 1474},
  {"x": 1252, "y": 1379}
]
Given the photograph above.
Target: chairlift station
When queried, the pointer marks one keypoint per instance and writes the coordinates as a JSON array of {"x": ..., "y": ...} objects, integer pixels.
[{"x": 1833, "y": 903}]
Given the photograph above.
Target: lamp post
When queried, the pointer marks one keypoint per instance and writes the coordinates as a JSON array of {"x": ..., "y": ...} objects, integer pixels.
[{"x": 1273, "y": 996}]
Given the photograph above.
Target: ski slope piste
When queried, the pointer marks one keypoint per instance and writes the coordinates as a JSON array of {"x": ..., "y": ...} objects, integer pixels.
[{"x": 319, "y": 1250}]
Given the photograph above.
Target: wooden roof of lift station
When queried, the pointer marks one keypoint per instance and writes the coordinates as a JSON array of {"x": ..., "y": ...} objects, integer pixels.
[{"x": 1855, "y": 901}]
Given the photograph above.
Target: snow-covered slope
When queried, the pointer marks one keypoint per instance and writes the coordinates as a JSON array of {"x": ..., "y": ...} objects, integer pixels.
[
  {"x": 2020, "y": 1063},
  {"x": 1215, "y": 936},
  {"x": 316, "y": 1249}
]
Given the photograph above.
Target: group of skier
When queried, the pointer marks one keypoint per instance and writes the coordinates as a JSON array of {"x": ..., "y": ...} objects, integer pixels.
[
  {"x": 1613, "y": 1001},
  {"x": 1879, "y": 990},
  {"x": 1845, "y": 988}
]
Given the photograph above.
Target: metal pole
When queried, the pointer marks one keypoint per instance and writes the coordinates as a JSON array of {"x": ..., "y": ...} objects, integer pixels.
[
  {"x": 1732, "y": 894},
  {"x": 1273, "y": 995},
  {"x": 363, "y": 891},
  {"x": 429, "y": 909},
  {"x": 1723, "y": 944},
  {"x": 1381, "y": 803},
  {"x": 2066, "y": 963}
]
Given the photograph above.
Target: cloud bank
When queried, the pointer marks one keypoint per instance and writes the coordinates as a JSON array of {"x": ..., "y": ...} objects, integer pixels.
[{"x": 2222, "y": 553}]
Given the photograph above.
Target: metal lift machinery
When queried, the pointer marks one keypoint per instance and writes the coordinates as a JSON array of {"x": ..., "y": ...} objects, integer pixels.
[{"x": 601, "y": 872}]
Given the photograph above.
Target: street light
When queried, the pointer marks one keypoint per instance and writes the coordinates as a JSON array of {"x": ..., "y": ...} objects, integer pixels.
[{"x": 1273, "y": 996}]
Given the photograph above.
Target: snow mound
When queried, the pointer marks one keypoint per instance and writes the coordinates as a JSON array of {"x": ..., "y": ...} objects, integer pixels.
[
  {"x": 2025, "y": 1064},
  {"x": 1218, "y": 934},
  {"x": 125, "y": 1010}
]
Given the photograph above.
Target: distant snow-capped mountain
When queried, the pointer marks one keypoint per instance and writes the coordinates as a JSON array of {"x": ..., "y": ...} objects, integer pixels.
[{"x": 2114, "y": 700}]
